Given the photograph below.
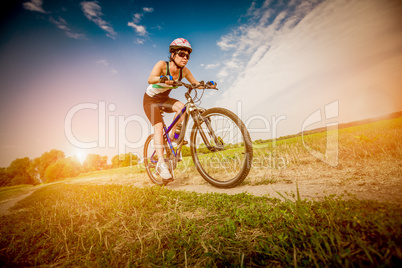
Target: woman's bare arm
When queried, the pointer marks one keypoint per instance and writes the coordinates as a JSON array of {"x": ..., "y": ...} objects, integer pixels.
[{"x": 156, "y": 72}]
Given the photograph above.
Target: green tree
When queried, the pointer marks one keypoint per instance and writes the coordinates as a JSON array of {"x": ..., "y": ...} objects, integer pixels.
[
  {"x": 18, "y": 171},
  {"x": 33, "y": 169},
  {"x": 259, "y": 141},
  {"x": 185, "y": 151},
  {"x": 21, "y": 179},
  {"x": 129, "y": 160},
  {"x": 63, "y": 168},
  {"x": 39, "y": 165},
  {"x": 53, "y": 172},
  {"x": 202, "y": 149},
  {"x": 5, "y": 178},
  {"x": 95, "y": 162},
  {"x": 72, "y": 168}
]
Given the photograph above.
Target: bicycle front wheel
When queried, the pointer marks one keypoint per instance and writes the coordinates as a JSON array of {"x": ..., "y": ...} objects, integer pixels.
[{"x": 221, "y": 148}]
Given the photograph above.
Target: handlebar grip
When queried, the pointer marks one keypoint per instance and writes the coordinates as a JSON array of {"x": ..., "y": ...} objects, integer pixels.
[
  {"x": 164, "y": 78},
  {"x": 177, "y": 83},
  {"x": 212, "y": 83}
]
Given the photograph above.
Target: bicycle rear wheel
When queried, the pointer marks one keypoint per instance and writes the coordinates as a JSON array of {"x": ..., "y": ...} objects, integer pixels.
[
  {"x": 151, "y": 159},
  {"x": 227, "y": 161}
]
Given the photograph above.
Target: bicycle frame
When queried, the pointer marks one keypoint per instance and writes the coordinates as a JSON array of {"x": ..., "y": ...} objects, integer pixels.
[
  {"x": 213, "y": 128},
  {"x": 189, "y": 107},
  {"x": 166, "y": 131}
]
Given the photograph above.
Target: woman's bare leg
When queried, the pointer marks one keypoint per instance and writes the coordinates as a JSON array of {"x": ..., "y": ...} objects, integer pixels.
[
  {"x": 158, "y": 140},
  {"x": 177, "y": 107}
]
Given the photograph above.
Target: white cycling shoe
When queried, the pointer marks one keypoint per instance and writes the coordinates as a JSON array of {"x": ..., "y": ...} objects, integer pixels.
[{"x": 163, "y": 171}]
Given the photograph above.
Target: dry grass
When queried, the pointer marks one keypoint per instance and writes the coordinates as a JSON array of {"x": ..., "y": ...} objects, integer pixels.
[
  {"x": 103, "y": 220},
  {"x": 124, "y": 226},
  {"x": 369, "y": 151},
  {"x": 369, "y": 164}
]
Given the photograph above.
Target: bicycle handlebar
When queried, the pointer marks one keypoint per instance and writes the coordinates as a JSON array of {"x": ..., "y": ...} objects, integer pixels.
[{"x": 190, "y": 87}]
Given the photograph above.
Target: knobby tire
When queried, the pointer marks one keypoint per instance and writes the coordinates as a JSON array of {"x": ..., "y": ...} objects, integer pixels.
[{"x": 227, "y": 167}]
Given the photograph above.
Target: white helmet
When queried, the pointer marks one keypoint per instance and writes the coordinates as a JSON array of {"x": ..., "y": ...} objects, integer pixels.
[{"x": 180, "y": 43}]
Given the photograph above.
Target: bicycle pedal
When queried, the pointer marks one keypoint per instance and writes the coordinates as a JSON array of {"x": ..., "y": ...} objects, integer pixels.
[{"x": 166, "y": 181}]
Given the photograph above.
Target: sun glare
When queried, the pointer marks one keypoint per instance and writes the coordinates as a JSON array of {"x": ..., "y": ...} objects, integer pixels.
[{"x": 81, "y": 156}]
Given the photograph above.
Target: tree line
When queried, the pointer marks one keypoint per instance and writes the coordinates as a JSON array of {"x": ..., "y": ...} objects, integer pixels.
[{"x": 54, "y": 165}]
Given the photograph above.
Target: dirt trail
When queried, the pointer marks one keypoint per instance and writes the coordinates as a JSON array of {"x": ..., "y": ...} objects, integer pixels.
[
  {"x": 371, "y": 181},
  {"x": 314, "y": 189},
  {"x": 276, "y": 190},
  {"x": 5, "y": 207},
  {"x": 312, "y": 181}
]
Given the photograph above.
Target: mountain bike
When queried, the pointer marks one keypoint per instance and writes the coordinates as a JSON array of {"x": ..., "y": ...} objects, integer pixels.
[{"x": 220, "y": 144}]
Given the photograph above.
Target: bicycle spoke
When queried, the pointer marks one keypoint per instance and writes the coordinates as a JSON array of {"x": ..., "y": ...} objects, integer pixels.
[{"x": 222, "y": 167}]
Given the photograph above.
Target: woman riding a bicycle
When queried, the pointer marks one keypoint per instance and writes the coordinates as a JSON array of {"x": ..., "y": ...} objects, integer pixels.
[{"x": 157, "y": 97}]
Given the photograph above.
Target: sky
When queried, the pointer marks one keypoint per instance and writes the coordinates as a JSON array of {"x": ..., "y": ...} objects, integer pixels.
[{"x": 73, "y": 73}]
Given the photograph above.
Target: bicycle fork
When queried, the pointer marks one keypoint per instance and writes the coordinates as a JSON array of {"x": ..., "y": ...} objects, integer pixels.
[{"x": 198, "y": 120}]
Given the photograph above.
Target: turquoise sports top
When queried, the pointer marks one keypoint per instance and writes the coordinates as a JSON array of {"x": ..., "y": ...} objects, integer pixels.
[{"x": 161, "y": 90}]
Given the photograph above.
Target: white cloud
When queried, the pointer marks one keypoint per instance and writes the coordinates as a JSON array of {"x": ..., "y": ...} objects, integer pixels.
[
  {"x": 140, "y": 41},
  {"x": 103, "y": 62},
  {"x": 251, "y": 10},
  {"x": 298, "y": 60},
  {"x": 137, "y": 17},
  {"x": 230, "y": 67},
  {"x": 225, "y": 41},
  {"x": 148, "y": 9},
  {"x": 92, "y": 10},
  {"x": 211, "y": 66},
  {"x": 266, "y": 25},
  {"x": 258, "y": 54},
  {"x": 76, "y": 35},
  {"x": 34, "y": 5},
  {"x": 141, "y": 30},
  {"x": 62, "y": 24},
  {"x": 223, "y": 73}
]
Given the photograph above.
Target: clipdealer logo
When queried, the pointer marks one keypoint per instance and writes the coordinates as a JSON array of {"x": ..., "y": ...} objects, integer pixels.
[
  {"x": 104, "y": 140},
  {"x": 109, "y": 125},
  {"x": 331, "y": 154}
]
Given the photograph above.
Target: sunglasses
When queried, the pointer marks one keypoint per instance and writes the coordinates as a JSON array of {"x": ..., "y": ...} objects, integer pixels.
[{"x": 183, "y": 54}]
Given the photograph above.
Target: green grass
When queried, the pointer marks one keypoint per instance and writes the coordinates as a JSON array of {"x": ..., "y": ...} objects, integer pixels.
[
  {"x": 11, "y": 191},
  {"x": 380, "y": 141},
  {"x": 124, "y": 226},
  {"x": 374, "y": 144},
  {"x": 122, "y": 171}
]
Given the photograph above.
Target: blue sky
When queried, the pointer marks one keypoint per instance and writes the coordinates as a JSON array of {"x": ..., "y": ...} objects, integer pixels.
[{"x": 272, "y": 59}]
